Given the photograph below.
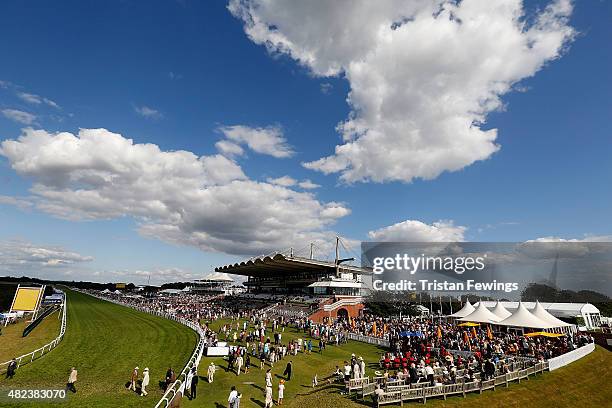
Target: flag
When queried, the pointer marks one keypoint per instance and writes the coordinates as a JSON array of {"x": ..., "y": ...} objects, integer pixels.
[
  {"x": 474, "y": 331},
  {"x": 439, "y": 332},
  {"x": 374, "y": 328},
  {"x": 489, "y": 333}
]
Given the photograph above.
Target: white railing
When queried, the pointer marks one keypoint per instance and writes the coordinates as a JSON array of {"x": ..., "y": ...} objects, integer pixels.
[
  {"x": 368, "y": 339},
  {"x": 39, "y": 352},
  {"x": 342, "y": 302},
  {"x": 177, "y": 387},
  {"x": 405, "y": 392},
  {"x": 565, "y": 359}
]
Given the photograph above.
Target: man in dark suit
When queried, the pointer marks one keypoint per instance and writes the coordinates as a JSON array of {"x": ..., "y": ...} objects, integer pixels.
[
  {"x": 194, "y": 384},
  {"x": 288, "y": 370}
]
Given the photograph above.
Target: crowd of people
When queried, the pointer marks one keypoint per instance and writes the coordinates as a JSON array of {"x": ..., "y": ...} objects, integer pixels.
[{"x": 419, "y": 348}]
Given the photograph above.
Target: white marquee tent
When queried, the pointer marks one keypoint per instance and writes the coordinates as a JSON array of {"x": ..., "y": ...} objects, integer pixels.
[
  {"x": 465, "y": 310},
  {"x": 524, "y": 318},
  {"x": 541, "y": 313},
  {"x": 481, "y": 315},
  {"x": 501, "y": 311}
]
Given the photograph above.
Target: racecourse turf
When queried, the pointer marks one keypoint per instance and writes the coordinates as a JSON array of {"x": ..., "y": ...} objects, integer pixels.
[
  {"x": 105, "y": 341},
  {"x": 583, "y": 383},
  {"x": 12, "y": 344}
]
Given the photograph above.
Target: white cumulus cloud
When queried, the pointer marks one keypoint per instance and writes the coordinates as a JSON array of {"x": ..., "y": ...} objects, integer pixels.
[
  {"x": 207, "y": 202},
  {"x": 423, "y": 74},
  {"x": 264, "y": 140},
  {"x": 285, "y": 181},
  {"x": 417, "y": 231}
]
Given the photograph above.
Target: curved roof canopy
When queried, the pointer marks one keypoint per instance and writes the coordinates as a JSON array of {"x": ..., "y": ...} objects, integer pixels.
[
  {"x": 481, "y": 315},
  {"x": 281, "y": 265},
  {"x": 465, "y": 310}
]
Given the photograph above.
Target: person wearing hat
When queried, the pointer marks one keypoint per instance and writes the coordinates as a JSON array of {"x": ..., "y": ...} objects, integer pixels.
[
  {"x": 362, "y": 366},
  {"x": 145, "y": 382},
  {"x": 211, "y": 372},
  {"x": 133, "y": 379}
]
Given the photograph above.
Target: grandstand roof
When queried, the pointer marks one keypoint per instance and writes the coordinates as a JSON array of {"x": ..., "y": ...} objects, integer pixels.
[{"x": 279, "y": 264}]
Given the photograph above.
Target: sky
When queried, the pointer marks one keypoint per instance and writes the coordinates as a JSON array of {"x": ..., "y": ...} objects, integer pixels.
[{"x": 159, "y": 140}]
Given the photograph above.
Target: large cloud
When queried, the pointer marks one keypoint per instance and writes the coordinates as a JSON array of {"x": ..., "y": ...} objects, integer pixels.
[
  {"x": 17, "y": 256},
  {"x": 423, "y": 74},
  {"x": 417, "y": 231},
  {"x": 206, "y": 201}
]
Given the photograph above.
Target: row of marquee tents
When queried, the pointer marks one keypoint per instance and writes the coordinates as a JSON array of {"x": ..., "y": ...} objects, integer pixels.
[{"x": 537, "y": 318}]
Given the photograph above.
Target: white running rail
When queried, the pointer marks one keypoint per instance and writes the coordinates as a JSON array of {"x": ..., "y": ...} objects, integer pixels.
[
  {"x": 39, "y": 352},
  {"x": 178, "y": 387}
]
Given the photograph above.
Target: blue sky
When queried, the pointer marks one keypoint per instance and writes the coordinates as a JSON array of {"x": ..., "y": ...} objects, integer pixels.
[{"x": 197, "y": 68}]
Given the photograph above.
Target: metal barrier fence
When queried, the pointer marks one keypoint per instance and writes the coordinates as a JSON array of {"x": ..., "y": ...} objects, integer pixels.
[
  {"x": 177, "y": 388},
  {"x": 39, "y": 352}
]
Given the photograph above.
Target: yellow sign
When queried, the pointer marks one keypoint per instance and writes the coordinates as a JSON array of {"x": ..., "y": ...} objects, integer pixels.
[
  {"x": 120, "y": 285},
  {"x": 26, "y": 299}
]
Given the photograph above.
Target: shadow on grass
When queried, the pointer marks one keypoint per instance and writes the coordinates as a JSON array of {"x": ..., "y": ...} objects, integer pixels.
[
  {"x": 257, "y": 386},
  {"x": 258, "y": 402},
  {"x": 335, "y": 387}
]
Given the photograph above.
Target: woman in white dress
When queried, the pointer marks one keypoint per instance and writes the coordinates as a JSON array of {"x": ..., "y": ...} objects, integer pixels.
[
  {"x": 268, "y": 402},
  {"x": 281, "y": 391}
]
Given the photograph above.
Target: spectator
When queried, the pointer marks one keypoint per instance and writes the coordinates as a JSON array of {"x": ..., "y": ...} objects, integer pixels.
[
  {"x": 233, "y": 397},
  {"x": 281, "y": 391},
  {"x": 211, "y": 372},
  {"x": 72, "y": 378},
  {"x": 10, "y": 370},
  {"x": 145, "y": 382},
  {"x": 133, "y": 379},
  {"x": 194, "y": 384}
]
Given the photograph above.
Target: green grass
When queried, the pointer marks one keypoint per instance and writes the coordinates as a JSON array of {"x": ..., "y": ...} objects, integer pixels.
[
  {"x": 12, "y": 344},
  {"x": 298, "y": 391},
  {"x": 583, "y": 383},
  {"x": 105, "y": 342}
]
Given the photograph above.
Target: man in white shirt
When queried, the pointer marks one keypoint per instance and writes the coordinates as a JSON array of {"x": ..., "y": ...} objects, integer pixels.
[
  {"x": 233, "y": 396},
  {"x": 429, "y": 372}
]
